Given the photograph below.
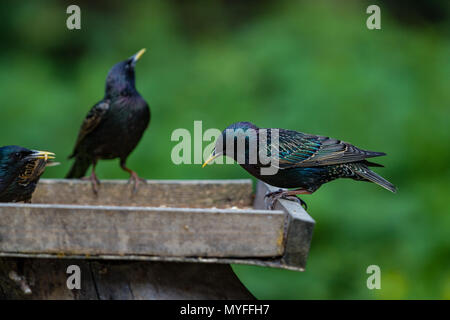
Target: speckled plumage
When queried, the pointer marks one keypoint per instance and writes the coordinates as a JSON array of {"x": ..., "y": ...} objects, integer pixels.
[
  {"x": 20, "y": 171},
  {"x": 115, "y": 125},
  {"x": 305, "y": 161}
]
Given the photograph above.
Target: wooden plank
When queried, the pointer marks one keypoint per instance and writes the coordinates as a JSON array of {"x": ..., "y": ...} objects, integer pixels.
[
  {"x": 112, "y": 230},
  {"x": 278, "y": 238},
  {"x": 164, "y": 280},
  {"x": 113, "y": 280},
  {"x": 272, "y": 262},
  {"x": 298, "y": 229},
  {"x": 155, "y": 193},
  {"x": 127, "y": 249},
  {"x": 46, "y": 279}
]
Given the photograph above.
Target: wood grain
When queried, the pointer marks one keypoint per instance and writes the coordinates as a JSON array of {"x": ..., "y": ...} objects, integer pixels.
[
  {"x": 92, "y": 230},
  {"x": 298, "y": 228},
  {"x": 154, "y": 193},
  {"x": 118, "y": 280},
  {"x": 278, "y": 238},
  {"x": 165, "y": 242}
]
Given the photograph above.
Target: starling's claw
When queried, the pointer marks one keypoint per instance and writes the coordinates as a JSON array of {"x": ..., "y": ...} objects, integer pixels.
[
  {"x": 273, "y": 197},
  {"x": 133, "y": 176},
  {"x": 303, "y": 203},
  {"x": 95, "y": 182},
  {"x": 136, "y": 179},
  {"x": 296, "y": 199},
  {"x": 274, "y": 193},
  {"x": 271, "y": 205}
]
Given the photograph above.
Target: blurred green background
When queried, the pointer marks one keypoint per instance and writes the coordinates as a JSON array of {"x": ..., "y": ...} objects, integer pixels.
[{"x": 311, "y": 66}]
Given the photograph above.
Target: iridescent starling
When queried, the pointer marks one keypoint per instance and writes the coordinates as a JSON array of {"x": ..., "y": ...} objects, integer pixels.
[
  {"x": 303, "y": 161},
  {"x": 20, "y": 170},
  {"x": 114, "y": 126}
]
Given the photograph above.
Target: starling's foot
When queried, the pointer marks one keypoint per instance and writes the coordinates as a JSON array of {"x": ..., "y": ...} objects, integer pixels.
[
  {"x": 283, "y": 194},
  {"x": 273, "y": 197},
  {"x": 274, "y": 193},
  {"x": 135, "y": 179},
  {"x": 94, "y": 182}
]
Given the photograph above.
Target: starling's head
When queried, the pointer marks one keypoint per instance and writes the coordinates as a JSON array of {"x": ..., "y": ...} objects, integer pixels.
[
  {"x": 24, "y": 163},
  {"x": 235, "y": 140},
  {"x": 240, "y": 126},
  {"x": 120, "y": 79}
]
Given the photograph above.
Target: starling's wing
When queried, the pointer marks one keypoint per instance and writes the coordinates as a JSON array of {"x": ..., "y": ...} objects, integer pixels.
[
  {"x": 92, "y": 120},
  {"x": 296, "y": 149}
]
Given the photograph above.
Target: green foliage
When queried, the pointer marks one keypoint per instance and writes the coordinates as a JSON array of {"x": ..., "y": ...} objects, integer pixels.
[{"x": 310, "y": 67}]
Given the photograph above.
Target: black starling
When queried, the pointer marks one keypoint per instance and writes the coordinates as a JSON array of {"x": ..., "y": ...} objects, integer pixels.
[
  {"x": 303, "y": 161},
  {"x": 114, "y": 126},
  {"x": 20, "y": 170}
]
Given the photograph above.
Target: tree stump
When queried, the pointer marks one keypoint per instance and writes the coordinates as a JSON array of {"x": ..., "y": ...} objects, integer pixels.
[{"x": 119, "y": 280}]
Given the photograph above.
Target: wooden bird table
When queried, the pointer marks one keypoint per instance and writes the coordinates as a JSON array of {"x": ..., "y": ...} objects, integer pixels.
[{"x": 173, "y": 239}]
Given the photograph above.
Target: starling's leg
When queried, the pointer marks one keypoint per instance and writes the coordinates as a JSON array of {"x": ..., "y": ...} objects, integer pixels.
[
  {"x": 133, "y": 176},
  {"x": 288, "y": 195},
  {"x": 93, "y": 179}
]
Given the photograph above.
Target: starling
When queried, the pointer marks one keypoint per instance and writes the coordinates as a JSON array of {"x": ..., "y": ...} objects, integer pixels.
[
  {"x": 114, "y": 126},
  {"x": 303, "y": 161},
  {"x": 20, "y": 170}
]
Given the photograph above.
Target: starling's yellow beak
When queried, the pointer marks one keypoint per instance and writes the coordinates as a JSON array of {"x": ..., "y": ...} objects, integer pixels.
[
  {"x": 138, "y": 55},
  {"x": 211, "y": 158},
  {"x": 43, "y": 155}
]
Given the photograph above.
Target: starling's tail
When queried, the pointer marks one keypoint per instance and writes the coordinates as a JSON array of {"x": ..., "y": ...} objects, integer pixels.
[
  {"x": 372, "y": 164},
  {"x": 79, "y": 168},
  {"x": 371, "y": 154},
  {"x": 363, "y": 171}
]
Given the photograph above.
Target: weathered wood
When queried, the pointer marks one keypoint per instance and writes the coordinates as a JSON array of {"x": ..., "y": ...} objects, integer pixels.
[
  {"x": 274, "y": 262},
  {"x": 46, "y": 278},
  {"x": 274, "y": 238},
  {"x": 114, "y": 280},
  {"x": 299, "y": 227},
  {"x": 103, "y": 236},
  {"x": 94, "y": 230},
  {"x": 154, "y": 193}
]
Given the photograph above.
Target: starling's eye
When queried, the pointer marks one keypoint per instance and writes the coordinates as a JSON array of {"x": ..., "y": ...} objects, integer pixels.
[{"x": 16, "y": 155}]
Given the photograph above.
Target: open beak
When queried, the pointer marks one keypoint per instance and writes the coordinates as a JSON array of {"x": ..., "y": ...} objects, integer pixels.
[
  {"x": 211, "y": 158},
  {"x": 138, "y": 55},
  {"x": 45, "y": 155}
]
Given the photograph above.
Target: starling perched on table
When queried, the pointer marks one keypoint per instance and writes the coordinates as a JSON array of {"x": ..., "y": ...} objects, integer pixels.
[
  {"x": 20, "y": 170},
  {"x": 114, "y": 126},
  {"x": 303, "y": 161}
]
